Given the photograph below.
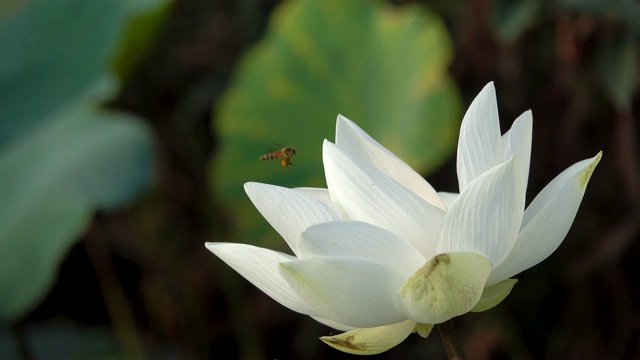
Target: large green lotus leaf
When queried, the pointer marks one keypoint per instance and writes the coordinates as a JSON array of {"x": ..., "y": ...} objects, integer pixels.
[
  {"x": 50, "y": 183},
  {"x": 382, "y": 66},
  {"x": 7, "y": 7},
  {"x": 52, "y": 51},
  {"x": 60, "y": 157}
]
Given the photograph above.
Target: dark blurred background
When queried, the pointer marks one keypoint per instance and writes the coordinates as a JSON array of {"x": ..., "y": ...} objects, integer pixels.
[{"x": 140, "y": 283}]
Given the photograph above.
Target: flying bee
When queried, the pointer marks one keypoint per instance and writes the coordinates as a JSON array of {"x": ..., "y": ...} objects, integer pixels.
[{"x": 286, "y": 153}]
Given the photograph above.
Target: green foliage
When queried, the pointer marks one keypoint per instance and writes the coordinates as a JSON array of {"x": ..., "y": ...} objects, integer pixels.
[
  {"x": 383, "y": 67},
  {"x": 61, "y": 156},
  {"x": 145, "y": 21},
  {"x": 616, "y": 53},
  {"x": 7, "y": 7},
  {"x": 50, "y": 57},
  {"x": 617, "y": 62},
  {"x": 51, "y": 182},
  {"x": 512, "y": 18}
]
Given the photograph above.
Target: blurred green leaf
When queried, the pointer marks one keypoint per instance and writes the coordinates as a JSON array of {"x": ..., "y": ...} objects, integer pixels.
[
  {"x": 8, "y": 7},
  {"x": 146, "y": 19},
  {"x": 51, "y": 182},
  {"x": 512, "y": 18},
  {"x": 383, "y": 67},
  {"x": 61, "y": 156},
  {"x": 52, "y": 51},
  {"x": 617, "y": 64}
]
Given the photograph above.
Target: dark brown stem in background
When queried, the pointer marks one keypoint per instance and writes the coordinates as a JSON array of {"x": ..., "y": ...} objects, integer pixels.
[
  {"x": 450, "y": 340},
  {"x": 22, "y": 343},
  {"x": 120, "y": 311}
]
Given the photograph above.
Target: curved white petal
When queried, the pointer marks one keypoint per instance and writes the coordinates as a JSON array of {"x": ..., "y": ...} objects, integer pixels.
[
  {"x": 323, "y": 195},
  {"x": 332, "y": 324},
  {"x": 547, "y": 220},
  {"x": 318, "y": 193},
  {"x": 362, "y": 147},
  {"x": 261, "y": 267},
  {"x": 353, "y": 292},
  {"x": 289, "y": 212},
  {"x": 368, "y": 195},
  {"x": 371, "y": 341},
  {"x": 360, "y": 240},
  {"x": 517, "y": 142},
  {"x": 487, "y": 215},
  {"x": 448, "y": 198},
  {"x": 479, "y": 146}
]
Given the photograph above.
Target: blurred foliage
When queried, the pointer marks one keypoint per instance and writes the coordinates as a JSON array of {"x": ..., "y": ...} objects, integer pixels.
[
  {"x": 381, "y": 66},
  {"x": 626, "y": 12},
  {"x": 616, "y": 53},
  {"x": 61, "y": 338},
  {"x": 144, "y": 20},
  {"x": 61, "y": 156},
  {"x": 511, "y": 18},
  {"x": 50, "y": 60},
  {"x": 617, "y": 60}
]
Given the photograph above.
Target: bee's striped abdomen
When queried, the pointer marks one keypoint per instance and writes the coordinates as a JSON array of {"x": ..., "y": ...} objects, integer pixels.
[{"x": 271, "y": 155}]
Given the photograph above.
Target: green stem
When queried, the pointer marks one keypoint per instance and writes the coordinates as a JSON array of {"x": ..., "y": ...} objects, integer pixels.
[{"x": 450, "y": 340}]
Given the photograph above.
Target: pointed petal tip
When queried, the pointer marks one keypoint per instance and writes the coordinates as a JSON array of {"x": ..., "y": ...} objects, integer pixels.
[
  {"x": 342, "y": 122},
  {"x": 479, "y": 146},
  {"x": 213, "y": 246},
  {"x": 526, "y": 116},
  {"x": 585, "y": 175},
  {"x": 328, "y": 148},
  {"x": 250, "y": 186},
  {"x": 486, "y": 96},
  {"x": 598, "y": 157},
  {"x": 488, "y": 89}
]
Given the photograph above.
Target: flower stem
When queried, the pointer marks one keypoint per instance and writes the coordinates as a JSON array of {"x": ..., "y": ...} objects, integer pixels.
[{"x": 450, "y": 340}]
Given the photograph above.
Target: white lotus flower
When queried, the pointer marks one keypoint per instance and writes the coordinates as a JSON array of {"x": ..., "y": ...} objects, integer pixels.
[{"x": 380, "y": 254}]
